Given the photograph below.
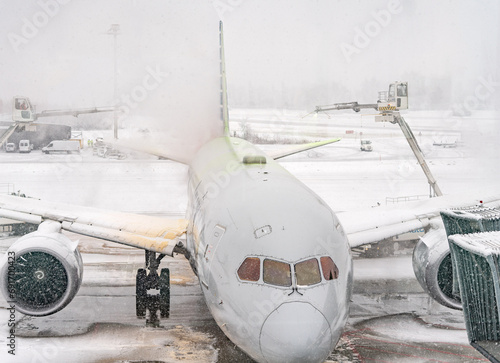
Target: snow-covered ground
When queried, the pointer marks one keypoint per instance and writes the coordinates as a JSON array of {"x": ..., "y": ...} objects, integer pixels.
[{"x": 340, "y": 173}]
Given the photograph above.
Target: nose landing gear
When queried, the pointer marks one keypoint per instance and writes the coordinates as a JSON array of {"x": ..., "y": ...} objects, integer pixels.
[{"x": 159, "y": 299}]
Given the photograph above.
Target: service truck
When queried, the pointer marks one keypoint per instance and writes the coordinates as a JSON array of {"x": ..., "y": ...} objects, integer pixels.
[
  {"x": 61, "y": 146},
  {"x": 25, "y": 146},
  {"x": 10, "y": 147},
  {"x": 366, "y": 145},
  {"x": 389, "y": 105}
]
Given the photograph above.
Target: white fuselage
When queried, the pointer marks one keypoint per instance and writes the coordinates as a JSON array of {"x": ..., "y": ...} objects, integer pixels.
[{"x": 262, "y": 245}]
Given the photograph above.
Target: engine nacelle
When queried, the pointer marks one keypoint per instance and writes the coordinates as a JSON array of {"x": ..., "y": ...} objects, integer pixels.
[
  {"x": 433, "y": 268},
  {"x": 41, "y": 273}
]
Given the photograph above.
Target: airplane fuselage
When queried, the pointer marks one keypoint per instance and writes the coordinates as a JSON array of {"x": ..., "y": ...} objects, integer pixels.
[{"x": 272, "y": 259}]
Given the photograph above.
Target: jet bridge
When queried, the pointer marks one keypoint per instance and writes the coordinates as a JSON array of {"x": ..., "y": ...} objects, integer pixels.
[
  {"x": 474, "y": 239},
  {"x": 388, "y": 105}
]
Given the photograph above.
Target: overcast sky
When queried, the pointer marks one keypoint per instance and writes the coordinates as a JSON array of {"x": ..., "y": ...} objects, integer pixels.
[{"x": 284, "y": 53}]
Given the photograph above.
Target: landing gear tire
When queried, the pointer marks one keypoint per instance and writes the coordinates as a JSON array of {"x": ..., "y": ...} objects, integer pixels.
[
  {"x": 140, "y": 293},
  {"x": 164, "y": 285},
  {"x": 148, "y": 279}
]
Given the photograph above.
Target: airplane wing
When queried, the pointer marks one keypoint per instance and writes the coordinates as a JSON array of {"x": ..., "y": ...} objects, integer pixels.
[
  {"x": 300, "y": 148},
  {"x": 151, "y": 147},
  {"x": 157, "y": 234},
  {"x": 379, "y": 223}
]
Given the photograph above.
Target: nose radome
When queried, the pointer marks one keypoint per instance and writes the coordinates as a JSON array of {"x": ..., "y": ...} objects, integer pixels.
[{"x": 295, "y": 332}]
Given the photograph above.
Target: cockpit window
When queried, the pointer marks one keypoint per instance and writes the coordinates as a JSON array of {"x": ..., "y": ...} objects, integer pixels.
[
  {"x": 307, "y": 272},
  {"x": 250, "y": 269},
  {"x": 277, "y": 273},
  {"x": 330, "y": 270}
]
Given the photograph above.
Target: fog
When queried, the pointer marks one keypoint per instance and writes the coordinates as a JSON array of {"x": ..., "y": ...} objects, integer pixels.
[{"x": 281, "y": 54}]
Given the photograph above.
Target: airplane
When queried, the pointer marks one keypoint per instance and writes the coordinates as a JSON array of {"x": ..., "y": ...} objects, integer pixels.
[{"x": 272, "y": 259}]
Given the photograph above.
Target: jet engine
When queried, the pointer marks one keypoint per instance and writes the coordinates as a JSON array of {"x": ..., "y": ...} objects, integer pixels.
[
  {"x": 433, "y": 268},
  {"x": 41, "y": 272}
]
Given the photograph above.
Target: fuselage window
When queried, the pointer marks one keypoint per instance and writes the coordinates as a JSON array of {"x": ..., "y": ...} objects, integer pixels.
[
  {"x": 307, "y": 272},
  {"x": 250, "y": 269},
  {"x": 277, "y": 273},
  {"x": 330, "y": 269}
]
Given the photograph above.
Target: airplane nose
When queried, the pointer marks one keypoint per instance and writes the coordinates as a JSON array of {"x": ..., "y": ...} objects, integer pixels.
[{"x": 295, "y": 332}]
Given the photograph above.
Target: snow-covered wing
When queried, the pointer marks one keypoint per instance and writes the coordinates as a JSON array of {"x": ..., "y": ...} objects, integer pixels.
[
  {"x": 378, "y": 223},
  {"x": 151, "y": 147},
  {"x": 300, "y": 148},
  {"x": 151, "y": 233}
]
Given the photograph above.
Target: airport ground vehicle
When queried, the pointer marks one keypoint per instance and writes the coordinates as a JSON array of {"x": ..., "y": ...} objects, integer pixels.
[
  {"x": 388, "y": 105},
  {"x": 10, "y": 147},
  {"x": 366, "y": 145},
  {"x": 24, "y": 115},
  {"x": 25, "y": 146},
  {"x": 396, "y": 99},
  {"x": 39, "y": 134},
  {"x": 67, "y": 146}
]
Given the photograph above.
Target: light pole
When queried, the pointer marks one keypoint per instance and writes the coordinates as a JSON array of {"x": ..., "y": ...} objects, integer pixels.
[{"x": 114, "y": 31}]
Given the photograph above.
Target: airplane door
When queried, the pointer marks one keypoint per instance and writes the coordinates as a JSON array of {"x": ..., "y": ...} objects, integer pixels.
[{"x": 212, "y": 242}]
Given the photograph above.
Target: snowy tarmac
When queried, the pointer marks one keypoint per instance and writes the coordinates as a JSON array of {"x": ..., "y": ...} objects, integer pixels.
[{"x": 392, "y": 319}]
